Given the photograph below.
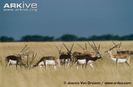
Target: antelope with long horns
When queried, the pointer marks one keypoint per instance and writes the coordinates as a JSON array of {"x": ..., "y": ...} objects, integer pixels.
[
  {"x": 119, "y": 57},
  {"x": 65, "y": 57},
  {"x": 86, "y": 58},
  {"x": 16, "y": 59}
]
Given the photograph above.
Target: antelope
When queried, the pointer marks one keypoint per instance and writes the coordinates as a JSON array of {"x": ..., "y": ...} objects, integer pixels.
[
  {"x": 47, "y": 61},
  {"x": 88, "y": 58},
  {"x": 65, "y": 57},
  {"x": 77, "y": 54},
  {"x": 15, "y": 59},
  {"x": 119, "y": 57}
]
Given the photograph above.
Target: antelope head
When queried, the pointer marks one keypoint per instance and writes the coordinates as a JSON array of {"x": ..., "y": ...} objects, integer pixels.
[
  {"x": 114, "y": 46},
  {"x": 96, "y": 49}
]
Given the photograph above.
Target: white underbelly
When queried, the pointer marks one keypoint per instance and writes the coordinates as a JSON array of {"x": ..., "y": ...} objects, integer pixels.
[
  {"x": 13, "y": 62},
  {"x": 90, "y": 62},
  {"x": 50, "y": 62},
  {"x": 64, "y": 60},
  {"x": 119, "y": 60},
  {"x": 41, "y": 64},
  {"x": 81, "y": 61}
]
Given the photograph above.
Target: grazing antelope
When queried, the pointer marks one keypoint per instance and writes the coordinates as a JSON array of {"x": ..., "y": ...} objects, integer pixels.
[
  {"x": 88, "y": 58},
  {"x": 47, "y": 61},
  {"x": 65, "y": 57},
  {"x": 119, "y": 57},
  {"x": 16, "y": 59}
]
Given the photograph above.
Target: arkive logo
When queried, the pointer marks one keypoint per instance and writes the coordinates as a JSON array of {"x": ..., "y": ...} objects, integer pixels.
[{"x": 20, "y": 6}]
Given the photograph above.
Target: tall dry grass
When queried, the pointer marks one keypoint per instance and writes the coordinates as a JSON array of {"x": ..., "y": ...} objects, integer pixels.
[{"x": 105, "y": 70}]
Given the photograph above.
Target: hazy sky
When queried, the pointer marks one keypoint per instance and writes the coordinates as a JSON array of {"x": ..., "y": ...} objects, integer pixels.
[{"x": 80, "y": 17}]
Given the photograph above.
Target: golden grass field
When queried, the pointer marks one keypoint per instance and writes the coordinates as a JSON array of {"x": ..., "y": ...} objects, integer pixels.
[{"x": 105, "y": 70}]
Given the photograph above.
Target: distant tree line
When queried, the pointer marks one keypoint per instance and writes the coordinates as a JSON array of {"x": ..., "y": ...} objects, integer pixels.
[{"x": 66, "y": 37}]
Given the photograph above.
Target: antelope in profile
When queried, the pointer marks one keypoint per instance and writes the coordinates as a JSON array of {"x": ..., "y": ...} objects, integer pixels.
[
  {"x": 65, "y": 57},
  {"x": 16, "y": 59},
  {"x": 77, "y": 53},
  {"x": 88, "y": 58},
  {"x": 119, "y": 57},
  {"x": 47, "y": 61}
]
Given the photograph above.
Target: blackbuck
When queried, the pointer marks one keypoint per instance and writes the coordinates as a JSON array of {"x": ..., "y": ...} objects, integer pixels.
[
  {"x": 86, "y": 58},
  {"x": 47, "y": 61},
  {"x": 65, "y": 57},
  {"x": 79, "y": 53},
  {"x": 119, "y": 57},
  {"x": 16, "y": 59}
]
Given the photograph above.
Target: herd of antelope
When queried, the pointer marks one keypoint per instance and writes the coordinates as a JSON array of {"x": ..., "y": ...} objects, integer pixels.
[{"x": 68, "y": 59}]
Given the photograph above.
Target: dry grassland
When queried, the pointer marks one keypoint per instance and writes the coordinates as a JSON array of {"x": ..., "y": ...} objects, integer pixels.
[{"x": 105, "y": 70}]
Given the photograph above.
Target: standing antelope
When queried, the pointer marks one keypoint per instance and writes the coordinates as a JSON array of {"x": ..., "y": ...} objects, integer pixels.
[
  {"x": 47, "y": 61},
  {"x": 88, "y": 58},
  {"x": 119, "y": 57},
  {"x": 16, "y": 59},
  {"x": 65, "y": 57}
]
